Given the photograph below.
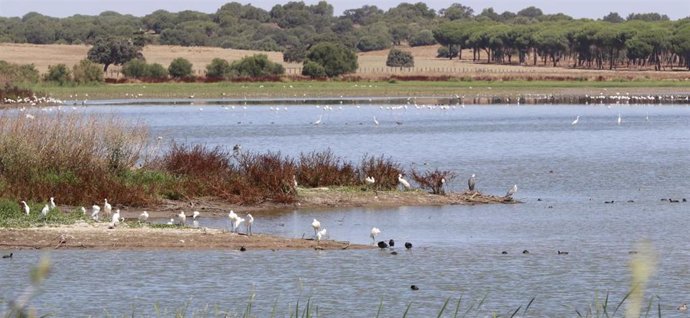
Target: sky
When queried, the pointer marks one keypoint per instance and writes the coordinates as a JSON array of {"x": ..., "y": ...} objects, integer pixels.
[{"x": 675, "y": 9}]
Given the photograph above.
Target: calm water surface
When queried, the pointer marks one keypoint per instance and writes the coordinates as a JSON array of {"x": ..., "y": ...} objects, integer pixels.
[{"x": 564, "y": 174}]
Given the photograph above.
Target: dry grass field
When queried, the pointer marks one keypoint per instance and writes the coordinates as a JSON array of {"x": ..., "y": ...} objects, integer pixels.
[{"x": 371, "y": 64}]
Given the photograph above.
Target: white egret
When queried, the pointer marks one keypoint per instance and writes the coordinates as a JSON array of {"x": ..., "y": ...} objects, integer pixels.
[
  {"x": 404, "y": 182},
  {"x": 250, "y": 221},
  {"x": 171, "y": 222},
  {"x": 44, "y": 211},
  {"x": 83, "y": 210},
  {"x": 512, "y": 191},
  {"x": 471, "y": 182},
  {"x": 369, "y": 180},
  {"x": 182, "y": 218},
  {"x": 27, "y": 209},
  {"x": 233, "y": 218},
  {"x": 237, "y": 223},
  {"x": 115, "y": 220},
  {"x": 577, "y": 120},
  {"x": 620, "y": 120},
  {"x": 107, "y": 208},
  {"x": 376, "y": 122},
  {"x": 374, "y": 232},
  {"x": 144, "y": 216},
  {"x": 320, "y": 234},
  {"x": 195, "y": 222},
  {"x": 95, "y": 209},
  {"x": 318, "y": 121},
  {"x": 316, "y": 225},
  {"x": 52, "y": 203}
]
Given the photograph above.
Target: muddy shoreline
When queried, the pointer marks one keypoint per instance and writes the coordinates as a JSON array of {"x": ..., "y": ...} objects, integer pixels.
[{"x": 132, "y": 235}]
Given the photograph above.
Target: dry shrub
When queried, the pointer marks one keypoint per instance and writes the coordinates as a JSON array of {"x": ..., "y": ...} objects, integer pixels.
[
  {"x": 318, "y": 169},
  {"x": 75, "y": 158},
  {"x": 383, "y": 169},
  {"x": 200, "y": 171},
  {"x": 271, "y": 174},
  {"x": 433, "y": 180}
]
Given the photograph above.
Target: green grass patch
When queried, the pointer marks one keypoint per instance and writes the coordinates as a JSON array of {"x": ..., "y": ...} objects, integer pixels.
[{"x": 315, "y": 89}]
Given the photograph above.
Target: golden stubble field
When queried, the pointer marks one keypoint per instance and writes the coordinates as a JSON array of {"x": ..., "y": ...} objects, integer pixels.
[{"x": 371, "y": 64}]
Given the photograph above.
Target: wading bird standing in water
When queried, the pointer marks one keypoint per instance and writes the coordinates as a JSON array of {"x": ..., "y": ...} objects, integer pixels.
[
  {"x": 233, "y": 218},
  {"x": 471, "y": 182},
  {"x": 143, "y": 216},
  {"x": 577, "y": 120},
  {"x": 374, "y": 232}
]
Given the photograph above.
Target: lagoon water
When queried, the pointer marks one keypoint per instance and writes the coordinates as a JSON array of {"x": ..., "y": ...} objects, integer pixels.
[{"x": 564, "y": 174}]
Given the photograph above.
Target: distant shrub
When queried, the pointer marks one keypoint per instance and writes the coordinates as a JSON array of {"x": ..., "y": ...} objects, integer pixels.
[
  {"x": 87, "y": 72},
  {"x": 373, "y": 43},
  {"x": 314, "y": 70},
  {"x": 180, "y": 68},
  {"x": 138, "y": 68},
  {"x": 218, "y": 68},
  {"x": 255, "y": 66},
  {"x": 423, "y": 37},
  {"x": 157, "y": 71},
  {"x": 135, "y": 68},
  {"x": 25, "y": 73},
  {"x": 59, "y": 74},
  {"x": 398, "y": 58},
  {"x": 444, "y": 52}
]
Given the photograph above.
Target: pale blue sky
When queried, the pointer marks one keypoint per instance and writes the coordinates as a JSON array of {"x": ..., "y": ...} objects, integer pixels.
[{"x": 675, "y": 9}]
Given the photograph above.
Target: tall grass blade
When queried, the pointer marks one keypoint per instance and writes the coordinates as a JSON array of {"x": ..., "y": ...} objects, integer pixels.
[
  {"x": 378, "y": 313},
  {"x": 440, "y": 313},
  {"x": 623, "y": 300},
  {"x": 524, "y": 313},
  {"x": 516, "y": 311},
  {"x": 457, "y": 307},
  {"x": 407, "y": 310}
]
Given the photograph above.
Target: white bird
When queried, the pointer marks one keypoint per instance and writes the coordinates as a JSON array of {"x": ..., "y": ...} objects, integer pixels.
[
  {"x": 512, "y": 191},
  {"x": 294, "y": 181},
  {"x": 107, "y": 208},
  {"x": 52, "y": 203},
  {"x": 250, "y": 221},
  {"x": 376, "y": 122},
  {"x": 620, "y": 120},
  {"x": 320, "y": 234},
  {"x": 237, "y": 224},
  {"x": 471, "y": 182},
  {"x": 27, "y": 209},
  {"x": 318, "y": 121},
  {"x": 195, "y": 222},
  {"x": 95, "y": 209},
  {"x": 577, "y": 120},
  {"x": 83, "y": 210},
  {"x": 374, "y": 232},
  {"x": 144, "y": 216},
  {"x": 171, "y": 222},
  {"x": 404, "y": 182},
  {"x": 233, "y": 218},
  {"x": 182, "y": 218},
  {"x": 369, "y": 180},
  {"x": 115, "y": 220},
  {"x": 44, "y": 211},
  {"x": 316, "y": 225}
]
